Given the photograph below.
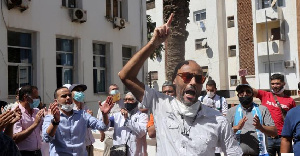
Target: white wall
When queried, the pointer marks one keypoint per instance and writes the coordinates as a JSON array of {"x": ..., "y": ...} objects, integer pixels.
[{"x": 48, "y": 19}]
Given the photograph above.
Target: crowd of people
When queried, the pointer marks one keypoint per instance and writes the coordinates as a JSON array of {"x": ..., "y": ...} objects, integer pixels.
[{"x": 182, "y": 121}]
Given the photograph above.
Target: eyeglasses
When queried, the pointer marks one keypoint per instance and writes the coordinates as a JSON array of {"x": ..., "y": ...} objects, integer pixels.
[
  {"x": 187, "y": 77},
  {"x": 242, "y": 92},
  {"x": 128, "y": 99}
]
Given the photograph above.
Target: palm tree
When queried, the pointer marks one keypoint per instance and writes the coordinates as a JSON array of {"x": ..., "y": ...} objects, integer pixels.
[{"x": 175, "y": 44}]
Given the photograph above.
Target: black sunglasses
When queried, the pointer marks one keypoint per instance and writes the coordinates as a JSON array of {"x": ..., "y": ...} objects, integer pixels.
[{"x": 187, "y": 77}]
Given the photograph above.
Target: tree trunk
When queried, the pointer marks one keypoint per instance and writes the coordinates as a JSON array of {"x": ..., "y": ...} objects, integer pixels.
[{"x": 175, "y": 44}]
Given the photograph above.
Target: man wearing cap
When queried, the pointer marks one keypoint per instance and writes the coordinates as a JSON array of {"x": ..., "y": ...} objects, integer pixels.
[
  {"x": 77, "y": 91},
  {"x": 250, "y": 122}
]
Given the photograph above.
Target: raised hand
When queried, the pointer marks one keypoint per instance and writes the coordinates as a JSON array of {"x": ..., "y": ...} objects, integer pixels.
[
  {"x": 17, "y": 115},
  {"x": 243, "y": 72},
  {"x": 54, "y": 110},
  {"x": 242, "y": 123},
  {"x": 5, "y": 119},
  {"x": 161, "y": 33},
  {"x": 39, "y": 116},
  {"x": 256, "y": 123},
  {"x": 106, "y": 106}
]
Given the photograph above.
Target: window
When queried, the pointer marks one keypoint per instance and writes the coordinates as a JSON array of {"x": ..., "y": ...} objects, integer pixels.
[
  {"x": 117, "y": 8},
  {"x": 233, "y": 80},
  {"x": 200, "y": 15},
  {"x": 150, "y": 4},
  {"x": 266, "y": 3},
  {"x": 275, "y": 34},
  {"x": 19, "y": 60},
  {"x": 64, "y": 61},
  {"x": 205, "y": 70},
  {"x": 99, "y": 67},
  {"x": 230, "y": 21},
  {"x": 200, "y": 44},
  {"x": 276, "y": 67},
  {"x": 232, "y": 51},
  {"x": 69, "y": 3},
  {"x": 126, "y": 55}
]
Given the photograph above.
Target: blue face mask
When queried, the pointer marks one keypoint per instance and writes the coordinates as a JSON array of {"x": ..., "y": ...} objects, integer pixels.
[
  {"x": 114, "y": 92},
  {"x": 35, "y": 103},
  {"x": 79, "y": 96}
]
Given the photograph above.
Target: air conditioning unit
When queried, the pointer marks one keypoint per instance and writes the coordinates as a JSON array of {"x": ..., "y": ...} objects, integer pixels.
[
  {"x": 289, "y": 64},
  {"x": 21, "y": 4},
  {"x": 119, "y": 22},
  {"x": 78, "y": 15}
]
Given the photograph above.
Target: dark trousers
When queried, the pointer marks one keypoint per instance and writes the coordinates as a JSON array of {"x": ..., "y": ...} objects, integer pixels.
[
  {"x": 31, "y": 153},
  {"x": 274, "y": 146},
  {"x": 217, "y": 154}
]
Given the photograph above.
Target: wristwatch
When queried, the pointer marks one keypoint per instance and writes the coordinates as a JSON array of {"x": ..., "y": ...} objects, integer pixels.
[{"x": 54, "y": 122}]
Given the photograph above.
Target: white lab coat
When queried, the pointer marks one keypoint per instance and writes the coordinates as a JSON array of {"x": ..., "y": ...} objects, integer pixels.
[{"x": 134, "y": 131}]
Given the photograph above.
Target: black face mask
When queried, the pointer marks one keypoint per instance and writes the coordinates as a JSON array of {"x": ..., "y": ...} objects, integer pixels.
[
  {"x": 130, "y": 106},
  {"x": 246, "y": 101}
]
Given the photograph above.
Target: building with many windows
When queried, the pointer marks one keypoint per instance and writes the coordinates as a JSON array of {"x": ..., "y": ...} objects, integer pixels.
[
  {"x": 52, "y": 43},
  {"x": 226, "y": 35}
]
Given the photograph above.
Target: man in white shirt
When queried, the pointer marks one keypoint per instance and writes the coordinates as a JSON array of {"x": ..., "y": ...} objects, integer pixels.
[
  {"x": 184, "y": 125},
  {"x": 211, "y": 99}
]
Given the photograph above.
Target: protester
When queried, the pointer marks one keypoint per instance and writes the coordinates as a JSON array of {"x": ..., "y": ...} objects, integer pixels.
[
  {"x": 7, "y": 121},
  {"x": 291, "y": 131},
  {"x": 130, "y": 127},
  {"x": 211, "y": 99},
  {"x": 184, "y": 126},
  {"x": 107, "y": 136},
  {"x": 78, "y": 96},
  {"x": 168, "y": 88},
  {"x": 278, "y": 104},
  {"x": 251, "y": 122},
  {"x": 27, "y": 131},
  {"x": 65, "y": 128}
]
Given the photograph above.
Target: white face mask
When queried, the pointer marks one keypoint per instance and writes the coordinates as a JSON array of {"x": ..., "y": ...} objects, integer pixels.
[
  {"x": 189, "y": 111},
  {"x": 210, "y": 94},
  {"x": 279, "y": 92},
  {"x": 67, "y": 107}
]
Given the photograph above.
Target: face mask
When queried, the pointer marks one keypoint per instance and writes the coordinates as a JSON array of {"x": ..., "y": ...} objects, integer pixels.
[
  {"x": 279, "y": 92},
  {"x": 130, "y": 106},
  {"x": 245, "y": 101},
  {"x": 189, "y": 111},
  {"x": 210, "y": 94},
  {"x": 79, "y": 96},
  {"x": 35, "y": 103},
  {"x": 67, "y": 107}
]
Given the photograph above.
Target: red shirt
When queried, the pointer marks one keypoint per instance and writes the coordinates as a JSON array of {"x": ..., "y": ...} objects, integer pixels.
[{"x": 286, "y": 102}]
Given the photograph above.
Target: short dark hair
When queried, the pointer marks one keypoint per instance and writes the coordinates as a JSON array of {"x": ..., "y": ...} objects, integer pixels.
[
  {"x": 211, "y": 83},
  {"x": 179, "y": 65},
  {"x": 55, "y": 92},
  {"x": 35, "y": 87},
  {"x": 168, "y": 83},
  {"x": 17, "y": 91},
  {"x": 25, "y": 90},
  {"x": 277, "y": 77}
]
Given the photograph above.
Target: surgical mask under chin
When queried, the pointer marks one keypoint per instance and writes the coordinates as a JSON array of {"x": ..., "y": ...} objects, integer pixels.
[
  {"x": 189, "y": 111},
  {"x": 246, "y": 100},
  {"x": 130, "y": 106},
  {"x": 210, "y": 94},
  {"x": 67, "y": 107},
  {"x": 78, "y": 96},
  {"x": 279, "y": 92},
  {"x": 35, "y": 103}
]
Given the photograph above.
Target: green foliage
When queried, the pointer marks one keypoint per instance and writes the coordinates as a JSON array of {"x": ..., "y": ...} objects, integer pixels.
[{"x": 150, "y": 29}]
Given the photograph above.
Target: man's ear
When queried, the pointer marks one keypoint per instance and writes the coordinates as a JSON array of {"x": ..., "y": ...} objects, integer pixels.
[{"x": 298, "y": 92}]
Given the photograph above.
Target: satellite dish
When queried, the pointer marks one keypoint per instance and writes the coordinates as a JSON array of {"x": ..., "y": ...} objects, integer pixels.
[
  {"x": 273, "y": 3},
  {"x": 204, "y": 42}
]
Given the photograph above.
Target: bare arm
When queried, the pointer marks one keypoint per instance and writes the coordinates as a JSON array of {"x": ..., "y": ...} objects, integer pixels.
[
  {"x": 286, "y": 145},
  {"x": 244, "y": 81},
  {"x": 128, "y": 74},
  {"x": 269, "y": 130}
]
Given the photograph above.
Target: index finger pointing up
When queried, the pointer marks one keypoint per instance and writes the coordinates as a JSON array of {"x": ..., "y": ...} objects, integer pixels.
[{"x": 170, "y": 19}]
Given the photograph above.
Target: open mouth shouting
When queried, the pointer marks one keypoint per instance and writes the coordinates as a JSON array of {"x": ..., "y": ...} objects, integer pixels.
[{"x": 189, "y": 96}]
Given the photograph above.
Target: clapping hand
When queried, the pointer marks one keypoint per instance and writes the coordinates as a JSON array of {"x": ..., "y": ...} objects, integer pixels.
[
  {"x": 256, "y": 123},
  {"x": 55, "y": 111}
]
